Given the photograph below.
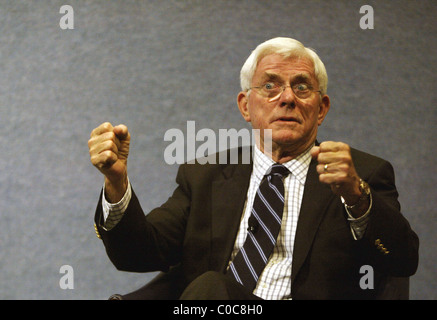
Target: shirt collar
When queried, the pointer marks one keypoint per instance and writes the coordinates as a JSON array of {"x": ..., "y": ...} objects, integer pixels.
[{"x": 298, "y": 166}]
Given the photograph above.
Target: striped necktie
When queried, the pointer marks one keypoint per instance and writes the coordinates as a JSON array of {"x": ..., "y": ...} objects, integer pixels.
[{"x": 264, "y": 225}]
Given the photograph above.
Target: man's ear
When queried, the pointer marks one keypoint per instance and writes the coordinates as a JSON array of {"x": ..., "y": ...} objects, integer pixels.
[
  {"x": 242, "y": 101},
  {"x": 324, "y": 106}
]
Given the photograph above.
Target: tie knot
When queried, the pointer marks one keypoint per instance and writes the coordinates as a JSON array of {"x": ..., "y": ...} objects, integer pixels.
[{"x": 278, "y": 169}]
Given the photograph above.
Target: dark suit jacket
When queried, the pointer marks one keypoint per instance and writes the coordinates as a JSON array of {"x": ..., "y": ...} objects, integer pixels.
[{"x": 196, "y": 229}]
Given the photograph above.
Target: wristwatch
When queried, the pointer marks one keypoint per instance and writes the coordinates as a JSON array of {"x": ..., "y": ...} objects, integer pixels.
[{"x": 365, "y": 192}]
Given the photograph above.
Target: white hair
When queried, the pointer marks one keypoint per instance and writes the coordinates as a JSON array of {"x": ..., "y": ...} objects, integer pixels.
[{"x": 286, "y": 47}]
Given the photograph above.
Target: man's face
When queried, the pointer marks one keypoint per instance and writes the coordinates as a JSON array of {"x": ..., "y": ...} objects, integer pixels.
[{"x": 293, "y": 121}]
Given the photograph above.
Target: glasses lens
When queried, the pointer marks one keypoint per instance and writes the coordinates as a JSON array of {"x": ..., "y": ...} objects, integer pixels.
[
  {"x": 302, "y": 90},
  {"x": 273, "y": 92},
  {"x": 270, "y": 89}
]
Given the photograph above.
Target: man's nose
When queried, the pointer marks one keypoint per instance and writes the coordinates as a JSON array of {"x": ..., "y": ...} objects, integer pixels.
[{"x": 287, "y": 98}]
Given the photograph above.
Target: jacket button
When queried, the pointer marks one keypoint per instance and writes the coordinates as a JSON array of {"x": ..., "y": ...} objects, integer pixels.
[{"x": 97, "y": 231}]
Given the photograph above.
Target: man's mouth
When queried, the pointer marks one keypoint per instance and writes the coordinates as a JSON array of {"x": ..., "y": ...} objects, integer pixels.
[{"x": 287, "y": 119}]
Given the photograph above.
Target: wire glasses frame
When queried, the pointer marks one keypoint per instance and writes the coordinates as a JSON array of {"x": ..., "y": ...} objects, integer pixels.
[{"x": 274, "y": 91}]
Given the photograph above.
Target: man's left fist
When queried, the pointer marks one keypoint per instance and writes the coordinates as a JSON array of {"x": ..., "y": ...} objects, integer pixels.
[{"x": 337, "y": 169}]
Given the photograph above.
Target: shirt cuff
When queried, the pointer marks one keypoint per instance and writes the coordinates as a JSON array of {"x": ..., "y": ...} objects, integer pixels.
[
  {"x": 113, "y": 212},
  {"x": 359, "y": 225}
]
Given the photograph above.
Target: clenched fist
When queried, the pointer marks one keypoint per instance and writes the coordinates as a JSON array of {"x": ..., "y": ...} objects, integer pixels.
[
  {"x": 337, "y": 169},
  {"x": 109, "y": 150}
]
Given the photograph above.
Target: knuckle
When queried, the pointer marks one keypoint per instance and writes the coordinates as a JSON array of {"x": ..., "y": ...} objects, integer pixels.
[
  {"x": 107, "y": 159},
  {"x": 94, "y": 132},
  {"x": 343, "y": 167},
  {"x": 344, "y": 146},
  {"x": 344, "y": 159},
  {"x": 343, "y": 175},
  {"x": 110, "y": 156},
  {"x": 95, "y": 160},
  {"x": 323, "y": 146},
  {"x": 92, "y": 141},
  {"x": 323, "y": 178},
  {"x": 110, "y": 136},
  {"x": 92, "y": 150},
  {"x": 111, "y": 145},
  {"x": 106, "y": 125},
  {"x": 321, "y": 157}
]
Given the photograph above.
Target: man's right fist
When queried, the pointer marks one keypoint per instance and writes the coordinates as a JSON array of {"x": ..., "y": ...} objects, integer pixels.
[{"x": 109, "y": 149}]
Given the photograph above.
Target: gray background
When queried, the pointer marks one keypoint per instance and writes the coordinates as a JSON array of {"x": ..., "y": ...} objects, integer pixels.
[{"x": 153, "y": 65}]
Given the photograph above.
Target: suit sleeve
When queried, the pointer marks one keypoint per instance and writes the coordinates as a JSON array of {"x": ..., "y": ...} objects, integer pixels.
[
  {"x": 152, "y": 242},
  {"x": 390, "y": 243}
]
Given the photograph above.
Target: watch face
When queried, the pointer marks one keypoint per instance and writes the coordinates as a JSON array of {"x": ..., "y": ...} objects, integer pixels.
[{"x": 364, "y": 187}]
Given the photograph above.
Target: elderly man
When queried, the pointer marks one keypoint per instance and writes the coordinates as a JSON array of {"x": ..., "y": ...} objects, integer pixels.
[{"x": 299, "y": 222}]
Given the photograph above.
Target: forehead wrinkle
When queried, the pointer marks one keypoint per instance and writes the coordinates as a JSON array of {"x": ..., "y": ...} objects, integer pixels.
[
  {"x": 271, "y": 76},
  {"x": 304, "y": 77},
  {"x": 273, "y": 66}
]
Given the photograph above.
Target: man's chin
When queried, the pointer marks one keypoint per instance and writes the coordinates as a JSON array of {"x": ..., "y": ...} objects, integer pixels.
[
  {"x": 286, "y": 138},
  {"x": 291, "y": 141}
]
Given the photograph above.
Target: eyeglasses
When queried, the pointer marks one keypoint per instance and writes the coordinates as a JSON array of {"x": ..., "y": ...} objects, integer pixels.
[{"x": 273, "y": 91}]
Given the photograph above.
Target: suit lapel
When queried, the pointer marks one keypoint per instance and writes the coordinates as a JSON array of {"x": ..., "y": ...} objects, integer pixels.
[
  {"x": 228, "y": 198},
  {"x": 315, "y": 200}
]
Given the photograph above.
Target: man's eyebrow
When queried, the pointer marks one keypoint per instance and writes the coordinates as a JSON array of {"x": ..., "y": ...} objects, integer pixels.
[
  {"x": 302, "y": 77},
  {"x": 272, "y": 76}
]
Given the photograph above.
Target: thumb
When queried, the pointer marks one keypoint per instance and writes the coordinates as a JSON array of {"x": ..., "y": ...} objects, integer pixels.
[
  {"x": 315, "y": 152},
  {"x": 121, "y": 132}
]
